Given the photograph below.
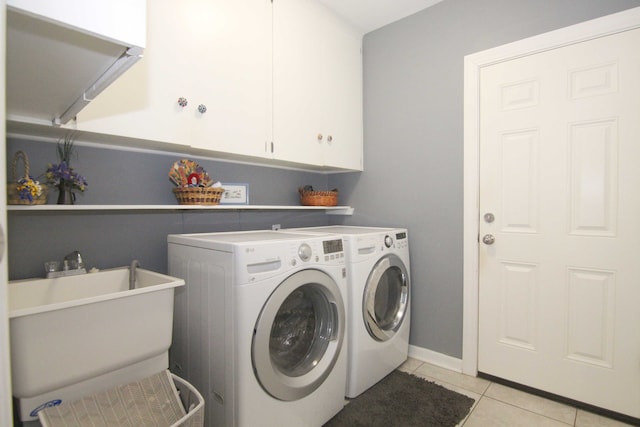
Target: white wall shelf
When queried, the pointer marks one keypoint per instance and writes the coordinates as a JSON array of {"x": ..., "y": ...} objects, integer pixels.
[{"x": 330, "y": 210}]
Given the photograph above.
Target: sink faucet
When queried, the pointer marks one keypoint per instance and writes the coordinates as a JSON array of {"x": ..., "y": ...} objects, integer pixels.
[
  {"x": 72, "y": 265},
  {"x": 75, "y": 259},
  {"x": 132, "y": 273}
]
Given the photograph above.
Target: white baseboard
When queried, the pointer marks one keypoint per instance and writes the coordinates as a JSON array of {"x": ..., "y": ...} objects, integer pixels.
[{"x": 435, "y": 358}]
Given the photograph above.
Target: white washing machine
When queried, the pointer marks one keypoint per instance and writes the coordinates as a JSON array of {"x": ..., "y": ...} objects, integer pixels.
[
  {"x": 378, "y": 301},
  {"x": 260, "y": 326}
]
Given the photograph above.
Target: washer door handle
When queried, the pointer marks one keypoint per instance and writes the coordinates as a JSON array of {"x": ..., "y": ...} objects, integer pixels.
[{"x": 336, "y": 319}]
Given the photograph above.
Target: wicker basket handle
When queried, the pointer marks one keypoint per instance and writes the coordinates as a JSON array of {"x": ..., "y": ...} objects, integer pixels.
[{"x": 20, "y": 155}]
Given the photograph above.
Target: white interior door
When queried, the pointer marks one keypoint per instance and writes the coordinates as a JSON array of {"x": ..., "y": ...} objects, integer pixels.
[{"x": 558, "y": 272}]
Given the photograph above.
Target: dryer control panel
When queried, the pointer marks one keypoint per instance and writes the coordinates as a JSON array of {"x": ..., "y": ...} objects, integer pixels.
[{"x": 401, "y": 240}]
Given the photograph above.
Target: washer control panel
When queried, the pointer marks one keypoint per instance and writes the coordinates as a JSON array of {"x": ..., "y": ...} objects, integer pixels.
[
  {"x": 332, "y": 246},
  {"x": 305, "y": 252},
  {"x": 328, "y": 251},
  {"x": 260, "y": 260},
  {"x": 333, "y": 249}
]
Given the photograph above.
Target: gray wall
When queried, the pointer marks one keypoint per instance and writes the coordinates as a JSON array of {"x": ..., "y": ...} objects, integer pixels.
[
  {"x": 413, "y": 128},
  {"x": 110, "y": 238}
]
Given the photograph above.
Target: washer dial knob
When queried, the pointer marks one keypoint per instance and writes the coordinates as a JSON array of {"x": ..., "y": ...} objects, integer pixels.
[
  {"x": 388, "y": 241},
  {"x": 304, "y": 252}
]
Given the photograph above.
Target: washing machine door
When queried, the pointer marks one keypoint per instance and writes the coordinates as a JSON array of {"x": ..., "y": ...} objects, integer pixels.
[
  {"x": 298, "y": 335},
  {"x": 386, "y": 298}
]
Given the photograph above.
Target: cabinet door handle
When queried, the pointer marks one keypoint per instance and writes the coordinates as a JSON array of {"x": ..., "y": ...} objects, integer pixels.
[
  {"x": 320, "y": 137},
  {"x": 182, "y": 101},
  {"x": 202, "y": 108}
]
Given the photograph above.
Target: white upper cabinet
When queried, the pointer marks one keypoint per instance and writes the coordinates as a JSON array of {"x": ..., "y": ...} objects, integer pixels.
[
  {"x": 272, "y": 77},
  {"x": 215, "y": 56},
  {"x": 62, "y": 54},
  {"x": 121, "y": 21},
  {"x": 234, "y": 85},
  {"x": 317, "y": 86}
]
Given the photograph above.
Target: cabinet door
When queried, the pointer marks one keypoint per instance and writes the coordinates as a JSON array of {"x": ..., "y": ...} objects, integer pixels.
[
  {"x": 117, "y": 20},
  {"x": 297, "y": 80},
  {"x": 142, "y": 103},
  {"x": 234, "y": 79},
  {"x": 317, "y": 86},
  {"x": 342, "y": 114},
  {"x": 212, "y": 53}
]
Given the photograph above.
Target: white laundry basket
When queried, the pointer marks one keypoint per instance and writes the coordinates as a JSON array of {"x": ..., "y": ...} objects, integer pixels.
[{"x": 161, "y": 400}]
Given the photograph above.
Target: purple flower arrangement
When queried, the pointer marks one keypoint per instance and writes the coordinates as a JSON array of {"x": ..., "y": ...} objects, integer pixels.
[{"x": 62, "y": 174}]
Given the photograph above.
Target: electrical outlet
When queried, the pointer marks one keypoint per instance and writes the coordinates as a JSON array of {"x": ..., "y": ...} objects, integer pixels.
[{"x": 275, "y": 227}]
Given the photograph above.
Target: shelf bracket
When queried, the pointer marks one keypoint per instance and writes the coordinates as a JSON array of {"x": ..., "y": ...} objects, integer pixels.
[{"x": 340, "y": 211}]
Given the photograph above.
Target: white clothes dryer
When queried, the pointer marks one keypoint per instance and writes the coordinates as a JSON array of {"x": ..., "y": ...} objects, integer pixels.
[
  {"x": 378, "y": 301},
  {"x": 260, "y": 326}
]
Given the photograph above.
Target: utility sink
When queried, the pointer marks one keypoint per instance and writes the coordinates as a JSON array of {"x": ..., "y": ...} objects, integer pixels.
[{"x": 76, "y": 335}]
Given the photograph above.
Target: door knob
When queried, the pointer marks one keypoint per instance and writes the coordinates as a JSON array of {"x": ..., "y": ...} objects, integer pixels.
[{"x": 488, "y": 239}]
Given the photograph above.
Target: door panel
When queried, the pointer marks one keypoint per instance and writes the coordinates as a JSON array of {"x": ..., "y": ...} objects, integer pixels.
[{"x": 558, "y": 287}]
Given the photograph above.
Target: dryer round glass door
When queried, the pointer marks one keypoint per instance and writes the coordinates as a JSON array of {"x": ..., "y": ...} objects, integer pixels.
[
  {"x": 298, "y": 335},
  {"x": 386, "y": 298}
]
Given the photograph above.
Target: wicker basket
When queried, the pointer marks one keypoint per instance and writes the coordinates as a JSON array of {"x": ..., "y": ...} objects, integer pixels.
[
  {"x": 13, "y": 195},
  {"x": 163, "y": 398},
  {"x": 318, "y": 198},
  {"x": 198, "y": 195}
]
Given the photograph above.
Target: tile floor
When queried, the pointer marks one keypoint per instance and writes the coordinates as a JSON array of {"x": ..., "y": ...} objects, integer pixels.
[{"x": 496, "y": 405}]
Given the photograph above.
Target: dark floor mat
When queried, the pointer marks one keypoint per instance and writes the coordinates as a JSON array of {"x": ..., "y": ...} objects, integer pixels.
[{"x": 404, "y": 400}]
